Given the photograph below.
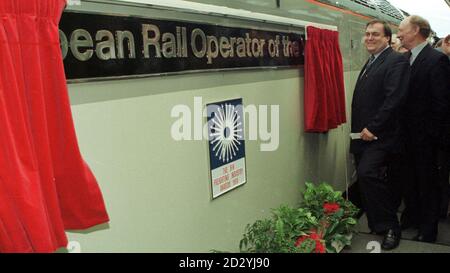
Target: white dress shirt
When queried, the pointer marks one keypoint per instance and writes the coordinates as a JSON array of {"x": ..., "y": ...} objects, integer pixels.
[{"x": 416, "y": 51}]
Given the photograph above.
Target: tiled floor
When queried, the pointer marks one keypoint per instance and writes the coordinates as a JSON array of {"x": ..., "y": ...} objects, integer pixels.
[{"x": 367, "y": 243}]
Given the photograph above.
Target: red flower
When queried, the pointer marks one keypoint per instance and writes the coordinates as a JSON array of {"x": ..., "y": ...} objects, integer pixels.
[
  {"x": 320, "y": 248},
  {"x": 330, "y": 208},
  {"x": 315, "y": 236},
  {"x": 300, "y": 240}
]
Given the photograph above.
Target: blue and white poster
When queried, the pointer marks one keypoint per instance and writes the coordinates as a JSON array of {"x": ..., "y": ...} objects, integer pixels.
[{"x": 226, "y": 145}]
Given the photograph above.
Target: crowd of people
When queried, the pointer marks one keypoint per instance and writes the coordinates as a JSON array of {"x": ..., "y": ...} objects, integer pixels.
[{"x": 401, "y": 119}]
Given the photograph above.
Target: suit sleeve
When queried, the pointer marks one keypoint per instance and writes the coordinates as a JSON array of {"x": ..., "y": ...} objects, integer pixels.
[
  {"x": 440, "y": 95},
  {"x": 395, "y": 87}
]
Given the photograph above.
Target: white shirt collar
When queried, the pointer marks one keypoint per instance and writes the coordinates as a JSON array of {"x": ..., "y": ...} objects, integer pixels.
[
  {"x": 416, "y": 51},
  {"x": 379, "y": 53}
]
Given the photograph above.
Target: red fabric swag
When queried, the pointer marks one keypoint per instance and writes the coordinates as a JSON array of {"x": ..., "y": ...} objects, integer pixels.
[
  {"x": 45, "y": 185},
  {"x": 324, "y": 95}
]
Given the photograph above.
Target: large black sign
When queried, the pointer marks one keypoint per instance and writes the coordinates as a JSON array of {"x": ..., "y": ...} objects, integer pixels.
[{"x": 98, "y": 46}]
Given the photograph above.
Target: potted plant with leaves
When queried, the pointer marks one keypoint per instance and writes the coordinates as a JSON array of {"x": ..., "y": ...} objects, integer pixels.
[
  {"x": 279, "y": 233},
  {"x": 322, "y": 223},
  {"x": 336, "y": 215}
]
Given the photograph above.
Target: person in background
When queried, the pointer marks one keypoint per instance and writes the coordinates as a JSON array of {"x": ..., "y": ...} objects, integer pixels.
[
  {"x": 446, "y": 45},
  {"x": 402, "y": 49},
  {"x": 424, "y": 118},
  {"x": 380, "y": 89},
  {"x": 438, "y": 45},
  {"x": 443, "y": 45},
  {"x": 396, "y": 44}
]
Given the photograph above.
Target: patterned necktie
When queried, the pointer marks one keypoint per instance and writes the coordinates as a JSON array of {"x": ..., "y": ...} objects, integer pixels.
[
  {"x": 369, "y": 63},
  {"x": 408, "y": 55},
  {"x": 371, "y": 59}
]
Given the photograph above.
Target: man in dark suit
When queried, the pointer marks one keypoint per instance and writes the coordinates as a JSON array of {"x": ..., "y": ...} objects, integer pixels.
[
  {"x": 444, "y": 154},
  {"x": 424, "y": 120},
  {"x": 380, "y": 90}
]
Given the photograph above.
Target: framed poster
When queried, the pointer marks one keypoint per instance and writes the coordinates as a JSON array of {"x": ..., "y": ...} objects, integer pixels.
[{"x": 226, "y": 146}]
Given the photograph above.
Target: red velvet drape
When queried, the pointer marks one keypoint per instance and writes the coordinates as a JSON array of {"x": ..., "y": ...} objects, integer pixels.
[
  {"x": 324, "y": 95},
  {"x": 45, "y": 185}
]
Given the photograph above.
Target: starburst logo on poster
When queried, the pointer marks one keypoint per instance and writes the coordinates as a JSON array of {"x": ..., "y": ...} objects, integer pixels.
[{"x": 226, "y": 145}]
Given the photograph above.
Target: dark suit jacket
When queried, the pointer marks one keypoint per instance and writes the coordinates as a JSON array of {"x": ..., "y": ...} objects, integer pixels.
[
  {"x": 427, "y": 111},
  {"x": 377, "y": 98}
]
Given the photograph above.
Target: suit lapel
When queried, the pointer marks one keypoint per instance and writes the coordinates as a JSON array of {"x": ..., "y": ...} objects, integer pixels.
[
  {"x": 358, "y": 80},
  {"x": 378, "y": 61},
  {"x": 419, "y": 59},
  {"x": 362, "y": 79}
]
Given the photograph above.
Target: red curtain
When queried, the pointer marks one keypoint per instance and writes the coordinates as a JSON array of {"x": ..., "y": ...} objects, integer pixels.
[
  {"x": 45, "y": 185},
  {"x": 324, "y": 95}
]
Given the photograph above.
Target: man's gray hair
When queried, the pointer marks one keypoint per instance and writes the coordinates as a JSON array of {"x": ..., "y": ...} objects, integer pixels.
[{"x": 422, "y": 23}]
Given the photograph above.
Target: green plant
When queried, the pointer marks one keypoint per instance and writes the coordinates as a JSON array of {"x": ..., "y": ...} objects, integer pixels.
[
  {"x": 279, "y": 233},
  {"x": 335, "y": 214},
  {"x": 315, "y": 197},
  {"x": 323, "y": 222}
]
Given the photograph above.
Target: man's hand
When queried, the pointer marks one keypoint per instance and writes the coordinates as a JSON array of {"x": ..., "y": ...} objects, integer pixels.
[{"x": 366, "y": 135}]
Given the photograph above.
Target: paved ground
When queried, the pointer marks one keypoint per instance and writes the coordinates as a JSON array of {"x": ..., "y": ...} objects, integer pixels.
[{"x": 368, "y": 243}]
